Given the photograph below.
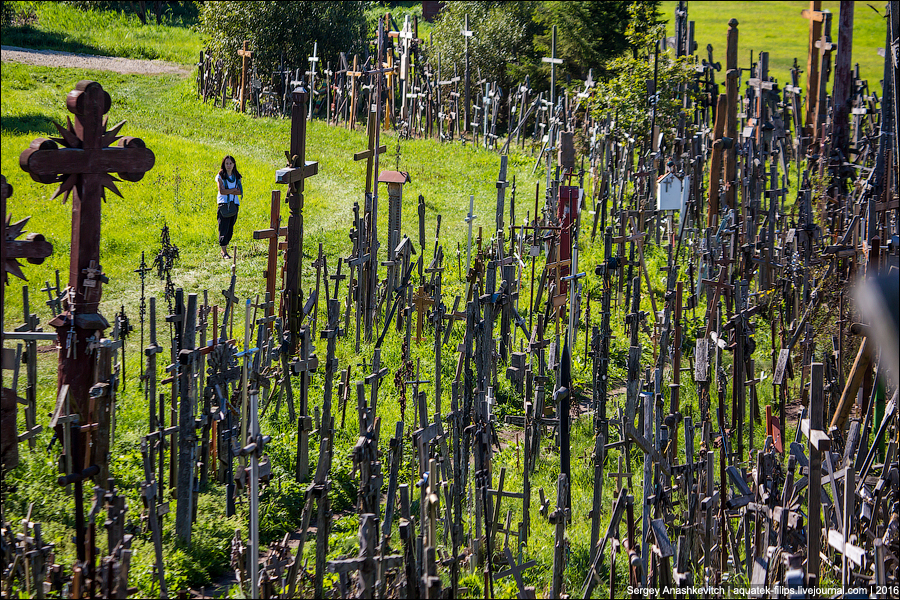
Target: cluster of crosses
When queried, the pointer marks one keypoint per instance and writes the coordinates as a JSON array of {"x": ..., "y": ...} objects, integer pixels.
[{"x": 809, "y": 502}]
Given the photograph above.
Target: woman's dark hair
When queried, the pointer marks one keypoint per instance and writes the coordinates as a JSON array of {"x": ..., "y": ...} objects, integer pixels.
[{"x": 223, "y": 173}]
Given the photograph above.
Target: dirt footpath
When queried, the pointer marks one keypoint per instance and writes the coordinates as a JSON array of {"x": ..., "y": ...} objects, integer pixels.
[{"x": 53, "y": 58}]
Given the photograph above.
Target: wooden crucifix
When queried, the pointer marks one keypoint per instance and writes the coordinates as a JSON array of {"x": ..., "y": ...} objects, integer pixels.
[
  {"x": 245, "y": 55},
  {"x": 294, "y": 175},
  {"x": 84, "y": 166}
]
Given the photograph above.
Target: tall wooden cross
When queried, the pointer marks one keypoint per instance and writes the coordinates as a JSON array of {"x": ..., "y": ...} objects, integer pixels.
[
  {"x": 294, "y": 175},
  {"x": 815, "y": 16},
  {"x": 467, "y": 33},
  {"x": 824, "y": 48},
  {"x": 353, "y": 75},
  {"x": 245, "y": 55},
  {"x": 272, "y": 234},
  {"x": 84, "y": 166}
]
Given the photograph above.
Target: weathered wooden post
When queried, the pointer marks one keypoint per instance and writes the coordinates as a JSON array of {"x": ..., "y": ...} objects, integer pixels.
[{"x": 84, "y": 165}]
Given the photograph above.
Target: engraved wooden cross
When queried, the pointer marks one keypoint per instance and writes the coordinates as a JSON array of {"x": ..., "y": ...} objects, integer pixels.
[
  {"x": 84, "y": 165},
  {"x": 421, "y": 301}
]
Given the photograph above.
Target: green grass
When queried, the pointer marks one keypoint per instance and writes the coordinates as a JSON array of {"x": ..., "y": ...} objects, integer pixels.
[
  {"x": 59, "y": 26},
  {"x": 779, "y": 29}
]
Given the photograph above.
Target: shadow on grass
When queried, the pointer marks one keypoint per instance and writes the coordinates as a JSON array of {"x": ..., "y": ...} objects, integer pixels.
[
  {"x": 26, "y": 36},
  {"x": 28, "y": 123}
]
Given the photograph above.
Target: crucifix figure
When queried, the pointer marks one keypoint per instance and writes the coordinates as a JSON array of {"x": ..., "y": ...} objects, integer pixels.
[{"x": 84, "y": 166}]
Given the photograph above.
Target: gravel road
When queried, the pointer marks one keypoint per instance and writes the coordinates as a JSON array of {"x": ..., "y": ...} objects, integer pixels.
[{"x": 53, "y": 58}]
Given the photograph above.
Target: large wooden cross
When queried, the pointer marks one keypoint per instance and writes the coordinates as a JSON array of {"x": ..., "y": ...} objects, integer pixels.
[
  {"x": 84, "y": 165},
  {"x": 815, "y": 16},
  {"x": 272, "y": 234},
  {"x": 353, "y": 75},
  {"x": 294, "y": 175},
  {"x": 245, "y": 55}
]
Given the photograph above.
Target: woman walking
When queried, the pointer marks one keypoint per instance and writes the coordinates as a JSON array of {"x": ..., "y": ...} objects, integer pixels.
[{"x": 228, "y": 180}]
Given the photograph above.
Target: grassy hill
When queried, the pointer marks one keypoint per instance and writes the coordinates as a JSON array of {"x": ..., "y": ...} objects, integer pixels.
[{"x": 779, "y": 29}]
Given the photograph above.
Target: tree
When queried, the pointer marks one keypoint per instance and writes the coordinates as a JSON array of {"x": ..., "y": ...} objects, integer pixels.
[
  {"x": 282, "y": 30},
  {"x": 626, "y": 96},
  {"x": 588, "y": 35},
  {"x": 502, "y": 38}
]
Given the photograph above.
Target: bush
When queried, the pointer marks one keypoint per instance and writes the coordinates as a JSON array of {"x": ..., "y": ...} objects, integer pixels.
[{"x": 281, "y": 31}]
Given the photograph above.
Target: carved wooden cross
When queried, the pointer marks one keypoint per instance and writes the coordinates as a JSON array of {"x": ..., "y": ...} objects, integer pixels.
[
  {"x": 245, "y": 55},
  {"x": 84, "y": 165}
]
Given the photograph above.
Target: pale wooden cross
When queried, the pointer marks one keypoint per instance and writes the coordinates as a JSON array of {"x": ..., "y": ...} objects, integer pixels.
[
  {"x": 353, "y": 75},
  {"x": 815, "y": 16},
  {"x": 620, "y": 476},
  {"x": 245, "y": 55}
]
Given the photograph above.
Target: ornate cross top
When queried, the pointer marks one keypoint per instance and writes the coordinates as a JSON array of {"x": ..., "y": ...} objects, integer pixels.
[{"x": 84, "y": 166}]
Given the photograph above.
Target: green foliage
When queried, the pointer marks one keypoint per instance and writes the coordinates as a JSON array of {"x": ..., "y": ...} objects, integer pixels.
[
  {"x": 502, "y": 39},
  {"x": 66, "y": 27},
  {"x": 588, "y": 35},
  {"x": 281, "y": 30},
  {"x": 626, "y": 96}
]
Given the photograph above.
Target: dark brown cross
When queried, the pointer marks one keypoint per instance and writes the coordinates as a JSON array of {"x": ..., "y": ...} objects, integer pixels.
[
  {"x": 294, "y": 175},
  {"x": 84, "y": 166},
  {"x": 34, "y": 248},
  {"x": 245, "y": 55},
  {"x": 272, "y": 234},
  {"x": 369, "y": 154}
]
